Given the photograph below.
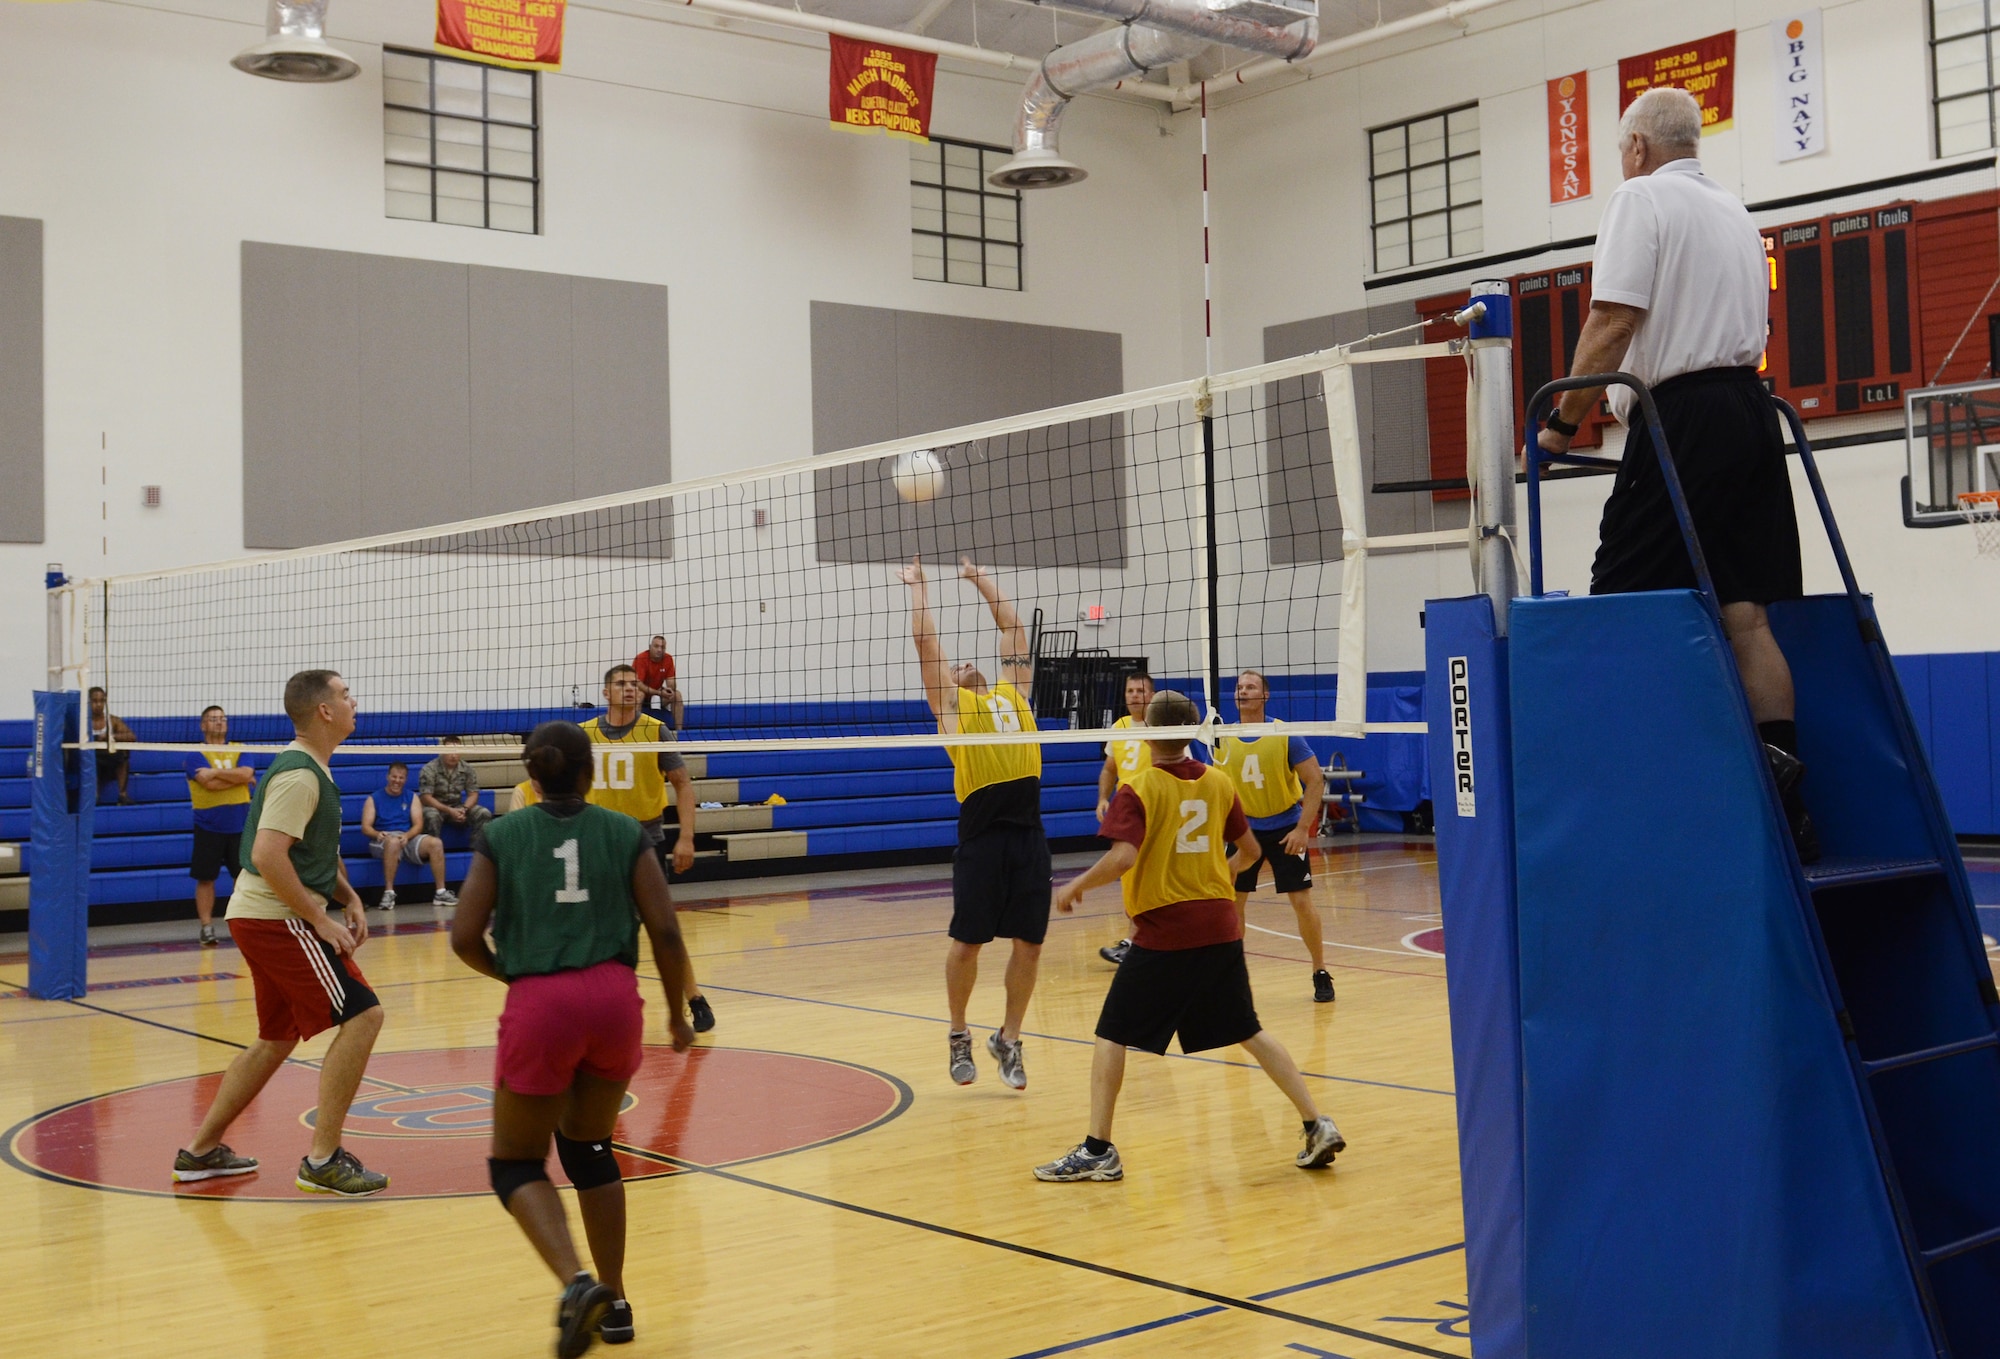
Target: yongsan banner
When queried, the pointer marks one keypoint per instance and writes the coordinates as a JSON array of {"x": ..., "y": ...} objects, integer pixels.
[{"x": 1569, "y": 138}]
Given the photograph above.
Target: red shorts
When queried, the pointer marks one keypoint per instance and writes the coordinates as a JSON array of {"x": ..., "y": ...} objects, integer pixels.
[
  {"x": 589, "y": 1019},
  {"x": 303, "y": 984}
]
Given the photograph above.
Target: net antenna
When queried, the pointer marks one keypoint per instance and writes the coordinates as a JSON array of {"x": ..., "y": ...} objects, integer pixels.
[{"x": 1168, "y": 518}]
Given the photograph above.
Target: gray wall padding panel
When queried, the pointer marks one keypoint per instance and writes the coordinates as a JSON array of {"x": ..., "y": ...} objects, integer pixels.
[
  {"x": 383, "y": 394},
  {"x": 1046, "y": 497},
  {"x": 1395, "y": 441},
  {"x": 21, "y": 428}
]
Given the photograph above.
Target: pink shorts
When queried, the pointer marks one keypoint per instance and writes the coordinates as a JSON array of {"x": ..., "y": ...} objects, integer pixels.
[{"x": 553, "y": 1026}]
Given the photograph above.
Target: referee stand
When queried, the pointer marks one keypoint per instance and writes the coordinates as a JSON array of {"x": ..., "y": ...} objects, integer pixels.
[{"x": 1711, "y": 1101}]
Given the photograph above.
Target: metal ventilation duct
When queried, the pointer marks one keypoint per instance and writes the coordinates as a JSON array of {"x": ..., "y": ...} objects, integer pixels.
[
  {"x": 295, "y": 46},
  {"x": 1154, "y": 34}
]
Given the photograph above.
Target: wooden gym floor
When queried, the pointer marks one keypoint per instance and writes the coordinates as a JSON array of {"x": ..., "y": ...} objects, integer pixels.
[{"x": 810, "y": 1184}]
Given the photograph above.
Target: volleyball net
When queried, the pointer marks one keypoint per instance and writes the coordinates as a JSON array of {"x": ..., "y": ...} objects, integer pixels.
[{"x": 1191, "y": 530}]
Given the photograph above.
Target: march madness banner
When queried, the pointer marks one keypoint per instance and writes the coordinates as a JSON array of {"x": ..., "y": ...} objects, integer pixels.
[
  {"x": 876, "y": 88},
  {"x": 524, "y": 34},
  {"x": 1705, "y": 68},
  {"x": 1569, "y": 138}
]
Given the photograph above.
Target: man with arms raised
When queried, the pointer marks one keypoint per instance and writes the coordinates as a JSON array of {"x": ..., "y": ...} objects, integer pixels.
[
  {"x": 1279, "y": 780},
  {"x": 1000, "y": 872},
  {"x": 300, "y": 955},
  {"x": 635, "y": 783}
]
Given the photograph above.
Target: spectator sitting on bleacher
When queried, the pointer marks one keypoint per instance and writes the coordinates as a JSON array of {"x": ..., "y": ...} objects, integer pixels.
[
  {"x": 449, "y": 790},
  {"x": 386, "y": 819},
  {"x": 112, "y": 766},
  {"x": 219, "y": 783}
]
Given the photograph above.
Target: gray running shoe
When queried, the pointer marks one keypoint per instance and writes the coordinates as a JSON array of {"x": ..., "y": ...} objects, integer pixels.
[
  {"x": 1079, "y": 1164},
  {"x": 1322, "y": 1144},
  {"x": 1115, "y": 953},
  {"x": 1012, "y": 1074},
  {"x": 342, "y": 1176},
  {"x": 208, "y": 939},
  {"x": 221, "y": 1161},
  {"x": 962, "y": 1069},
  {"x": 444, "y": 896},
  {"x": 388, "y": 902}
]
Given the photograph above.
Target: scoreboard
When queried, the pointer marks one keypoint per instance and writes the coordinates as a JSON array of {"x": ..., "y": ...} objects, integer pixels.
[{"x": 1843, "y": 318}]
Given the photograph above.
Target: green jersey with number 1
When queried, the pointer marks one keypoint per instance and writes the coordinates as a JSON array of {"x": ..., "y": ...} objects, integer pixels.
[{"x": 565, "y": 889}]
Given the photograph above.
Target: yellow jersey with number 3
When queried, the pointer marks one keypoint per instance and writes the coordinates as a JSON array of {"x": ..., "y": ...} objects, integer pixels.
[
  {"x": 1262, "y": 770},
  {"x": 627, "y": 781},
  {"x": 1185, "y": 856},
  {"x": 1128, "y": 757},
  {"x": 1000, "y": 708}
]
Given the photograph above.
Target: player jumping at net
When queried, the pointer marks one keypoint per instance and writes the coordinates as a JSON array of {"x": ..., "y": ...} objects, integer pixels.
[
  {"x": 300, "y": 955},
  {"x": 1172, "y": 828},
  {"x": 1000, "y": 873},
  {"x": 566, "y": 886},
  {"x": 1279, "y": 779},
  {"x": 636, "y": 784}
]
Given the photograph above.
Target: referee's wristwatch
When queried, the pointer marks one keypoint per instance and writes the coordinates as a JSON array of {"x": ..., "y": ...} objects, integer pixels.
[{"x": 1560, "y": 425}]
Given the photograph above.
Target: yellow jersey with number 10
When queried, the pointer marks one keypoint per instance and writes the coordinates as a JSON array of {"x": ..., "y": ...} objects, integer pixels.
[
  {"x": 1128, "y": 757},
  {"x": 627, "y": 781},
  {"x": 1000, "y": 708},
  {"x": 1264, "y": 776},
  {"x": 1186, "y": 853}
]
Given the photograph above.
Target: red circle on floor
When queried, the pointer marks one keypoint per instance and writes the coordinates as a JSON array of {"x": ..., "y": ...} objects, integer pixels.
[
  {"x": 1430, "y": 941},
  {"x": 423, "y": 1119}
]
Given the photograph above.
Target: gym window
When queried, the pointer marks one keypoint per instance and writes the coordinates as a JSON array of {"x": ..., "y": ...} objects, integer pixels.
[
  {"x": 1423, "y": 181},
  {"x": 961, "y": 229},
  {"x": 462, "y": 142},
  {"x": 1962, "y": 37}
]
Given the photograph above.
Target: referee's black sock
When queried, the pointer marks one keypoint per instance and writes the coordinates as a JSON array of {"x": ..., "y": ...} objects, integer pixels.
[
  {"x": 1096, "y": 1146},
  {"x": 1784, "y": 735}
]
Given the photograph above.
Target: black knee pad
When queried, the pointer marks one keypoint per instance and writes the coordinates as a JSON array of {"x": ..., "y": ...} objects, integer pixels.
[
  {"x": 509, "y": 1176},
  {"x": 589, "y": 1165}
]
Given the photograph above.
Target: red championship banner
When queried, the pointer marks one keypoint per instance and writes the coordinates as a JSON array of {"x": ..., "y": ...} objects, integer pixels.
[
  {"x": 1706, "y": 69},
  {"x": 875, "y": 88},
  {"x": 525, "y": 34},
  {"x": 1569, "y": 138}
]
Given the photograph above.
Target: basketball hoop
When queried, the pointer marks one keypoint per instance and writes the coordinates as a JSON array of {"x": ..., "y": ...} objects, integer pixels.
[{"x": 1981, "y": 509}]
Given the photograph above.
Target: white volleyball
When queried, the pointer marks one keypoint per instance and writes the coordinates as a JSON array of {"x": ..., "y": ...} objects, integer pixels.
[{"x": 918, "y": 475}]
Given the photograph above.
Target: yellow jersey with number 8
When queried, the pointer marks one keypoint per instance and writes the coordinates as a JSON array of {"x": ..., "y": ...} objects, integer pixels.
[
  {"x": 1128, "y": 757},
  {"x": 627, "y": 781},
  {"x": 1186, "y": 853},
  {"x": 1000, "y": 708},
  {"x": 1263, "y": 773}
]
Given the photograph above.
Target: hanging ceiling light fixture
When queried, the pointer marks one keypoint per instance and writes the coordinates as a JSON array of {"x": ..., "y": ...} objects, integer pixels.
[{"x": 295, "y": 46}]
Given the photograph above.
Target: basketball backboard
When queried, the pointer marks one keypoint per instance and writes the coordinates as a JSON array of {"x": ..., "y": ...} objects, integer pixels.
[{"x": 1952, "y": 438}]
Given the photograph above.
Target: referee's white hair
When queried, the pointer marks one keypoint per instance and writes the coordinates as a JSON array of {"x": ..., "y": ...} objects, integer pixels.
[{"x": 1668, "y": 119}]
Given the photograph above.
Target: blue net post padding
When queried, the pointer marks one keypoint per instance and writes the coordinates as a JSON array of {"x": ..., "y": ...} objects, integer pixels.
[
  {"x": 64, "y": 806},
  {"x": 1471, "y": 783}
]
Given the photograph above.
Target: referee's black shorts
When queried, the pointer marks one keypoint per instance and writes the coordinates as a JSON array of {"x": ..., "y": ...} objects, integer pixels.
[
  {"x": 1724, "y": 436},
  {"x": 1000, "y": 885},
  {"x": 1202, "y": 994}
]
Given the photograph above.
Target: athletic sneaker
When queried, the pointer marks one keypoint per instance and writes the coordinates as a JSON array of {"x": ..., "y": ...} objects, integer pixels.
[
  {"x": 388, "y": 902},
  {"x": 1079, "y": 1164},
  {"x": 1322, "y": 986},
  {"x": 702, "y": 1013},
  {"x": 208, "y": 939},
  {"x": 579, "y": 1312},
  {"x": 444, "y": 896},
  {"x": 616, "y": 1328},
  {"x": 1012, "y": 1074},
  {"x": 342, "y": 1176},
  {"x": 220, "y": 1161},
  {"x": 1115, "y": 953},
  {"x": 1323, "y": 1143},
  {"x": 1790, "y": 772},
  {"x": 962, "y": 1069}
]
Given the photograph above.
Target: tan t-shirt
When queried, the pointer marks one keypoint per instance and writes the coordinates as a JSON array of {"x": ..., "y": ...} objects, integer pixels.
[{"x": 290, "y": 799}]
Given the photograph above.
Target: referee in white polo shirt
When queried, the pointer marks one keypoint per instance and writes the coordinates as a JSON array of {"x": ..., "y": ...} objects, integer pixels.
[{"x": 1679, "y": 299}]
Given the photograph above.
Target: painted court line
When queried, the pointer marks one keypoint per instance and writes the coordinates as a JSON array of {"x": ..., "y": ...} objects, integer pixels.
[{"x": 1335, "y": 943}]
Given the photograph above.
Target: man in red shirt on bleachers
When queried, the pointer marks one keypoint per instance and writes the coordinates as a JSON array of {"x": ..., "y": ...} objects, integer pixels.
[{"x": 658, "y": 691}]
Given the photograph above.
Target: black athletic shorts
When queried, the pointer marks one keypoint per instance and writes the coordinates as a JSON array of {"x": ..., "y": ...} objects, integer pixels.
[
  {"x": 1203, "y": 994},
  {"x": 1289, "y": 872},
  {"x": 1000, "y": 886},
  {"x": 1724, "y": 435},
  {"x": 215, "y": 851}
]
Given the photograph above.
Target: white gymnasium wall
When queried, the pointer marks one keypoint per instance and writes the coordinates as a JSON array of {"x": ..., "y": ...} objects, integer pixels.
[
  {"x": 1291, "y": 213},
  {"x": 674, "y": 154}
]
